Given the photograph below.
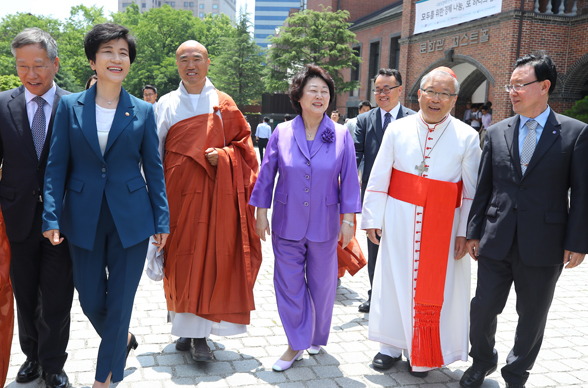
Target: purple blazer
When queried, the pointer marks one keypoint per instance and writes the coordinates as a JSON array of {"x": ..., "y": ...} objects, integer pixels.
[{"x": 308, "y": 199}]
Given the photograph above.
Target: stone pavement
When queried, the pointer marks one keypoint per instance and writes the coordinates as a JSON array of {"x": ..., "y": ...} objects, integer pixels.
[{"x": 246, "y": 360}]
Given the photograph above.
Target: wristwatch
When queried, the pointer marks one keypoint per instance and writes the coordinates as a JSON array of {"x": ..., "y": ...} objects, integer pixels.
[{"x": 349, "y": 223}]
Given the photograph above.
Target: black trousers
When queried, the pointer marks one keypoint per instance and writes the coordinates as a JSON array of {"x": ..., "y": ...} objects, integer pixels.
[
  {"x": 261, "y": 144},
  {"x": 41, "y": 276},
  {"x": 534, "y": 287}
]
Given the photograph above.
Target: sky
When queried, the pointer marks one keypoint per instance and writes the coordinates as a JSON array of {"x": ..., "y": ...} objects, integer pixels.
[{"x": 60, "y": 8}]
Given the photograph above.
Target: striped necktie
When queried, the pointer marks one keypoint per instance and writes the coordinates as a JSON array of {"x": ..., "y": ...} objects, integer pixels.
[{"x": 529, "y": 145}]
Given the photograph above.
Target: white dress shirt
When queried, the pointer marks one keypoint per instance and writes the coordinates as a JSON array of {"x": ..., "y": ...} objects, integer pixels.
[
  {"x": 393, "y": 113},
  {"x": 32, "y": 106}
]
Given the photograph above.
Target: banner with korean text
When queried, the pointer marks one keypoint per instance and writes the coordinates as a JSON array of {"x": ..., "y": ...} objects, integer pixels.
[{"x": 434, "y": 14}]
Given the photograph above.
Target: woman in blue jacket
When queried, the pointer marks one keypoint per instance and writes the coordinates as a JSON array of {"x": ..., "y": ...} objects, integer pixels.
[{"x": 96, "y": 195}]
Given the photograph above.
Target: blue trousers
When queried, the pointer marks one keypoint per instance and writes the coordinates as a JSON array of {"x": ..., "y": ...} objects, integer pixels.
[
  {"x": 305, "y": 279},
  {"x": 107, "y": 299}
]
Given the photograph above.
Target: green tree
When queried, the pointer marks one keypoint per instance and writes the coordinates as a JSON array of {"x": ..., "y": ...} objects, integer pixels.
[
  {"x": 238, "y": 69},
  {"x": 579, "y": 111},
  {"x": 8, "y": 82},
  {"x": 322, "y": 38}
]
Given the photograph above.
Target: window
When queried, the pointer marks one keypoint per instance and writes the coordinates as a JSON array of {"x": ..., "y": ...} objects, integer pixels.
[
  {"x": 173, "y": 3},
  {"x": 374, "y": 66},
  {"x": 201, "y": 6},
  {"x": 126, "y": 5},
  {"x": 394, "y": 60},
  {"x": 201, "y": 14},
  {"x": 215, "y": 14},
  {"x": 191, "y": 4},
  {"x": 215, "y": 6},
  {"x": 143, "y": 5},
  {"x": 185, "y": 3}
]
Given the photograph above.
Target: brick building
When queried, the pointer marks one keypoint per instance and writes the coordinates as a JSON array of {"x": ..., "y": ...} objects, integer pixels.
[{"x": 481, "y": 51}]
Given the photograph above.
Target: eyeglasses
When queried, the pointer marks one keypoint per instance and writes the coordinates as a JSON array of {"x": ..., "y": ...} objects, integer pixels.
[
  {"x": 442, "y": 96},
  {"x": 385, "y": 90},
  {"x": 25, "y": 69},
  {"x": 517, "y": 87},
  {"x": 148, "y": 95}
]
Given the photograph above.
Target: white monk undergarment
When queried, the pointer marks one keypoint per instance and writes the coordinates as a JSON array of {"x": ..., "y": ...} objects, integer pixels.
[{"x": 448, "y": 151}]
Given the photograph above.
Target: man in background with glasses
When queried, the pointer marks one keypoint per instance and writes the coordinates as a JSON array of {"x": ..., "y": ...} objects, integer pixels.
[
  {"x": 521, "y": 227},
  {"x": 369, "y": 131},
  {"x": 150, "y": 94},
  {"x": 41, "y": 273}
]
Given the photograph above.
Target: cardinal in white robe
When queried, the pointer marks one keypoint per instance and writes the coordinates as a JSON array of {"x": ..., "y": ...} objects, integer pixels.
[{"x": 418, "y": 199}]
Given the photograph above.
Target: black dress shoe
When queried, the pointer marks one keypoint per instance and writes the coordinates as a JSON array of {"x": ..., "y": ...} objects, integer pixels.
[
  {"x": 511, "y": 385},
  {"x": 29, "y": 371},
  {"x": 133, "y": 344},
  {"x": 200, "y": 351},
  {"x": 364, "y": 307},
  {"x": 183, "y": 344},
  {"x": 382, "y": 361},
  {"x": 416, "y": 374},
  {"x": 56, "y": 380},
  {"x": 474, "y": 378}
]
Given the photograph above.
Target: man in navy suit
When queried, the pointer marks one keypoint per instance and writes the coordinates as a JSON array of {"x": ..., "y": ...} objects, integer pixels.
[
  {"x": 368, "y": 138},
  {"x": 41, "y": 273},
  {"x": 522, "y": 226}
]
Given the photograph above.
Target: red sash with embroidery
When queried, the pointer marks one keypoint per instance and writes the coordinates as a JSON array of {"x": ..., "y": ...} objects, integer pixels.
[{"x": 439, "y": 200}]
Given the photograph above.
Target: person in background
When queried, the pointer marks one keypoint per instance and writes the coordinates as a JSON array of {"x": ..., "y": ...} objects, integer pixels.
[
  {"x": 467, "y": 115},
  {"x": 262, "y": 135},
  {"x": 476, "y": 120},
  {"x": 335, "y": 116},
  {"x": 287, "y": 117},
  {"x": 317, "y": 183},
  {"x": 95, "y": 194},
  {"x": 486, "y": 119},
  {"x": 91, "y": 81},
  {"x": 150, "y": 94}
]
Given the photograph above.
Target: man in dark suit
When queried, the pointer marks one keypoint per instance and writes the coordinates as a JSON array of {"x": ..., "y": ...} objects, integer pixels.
[
  {"x": 369, "y": 131},
  {"x": 41, "y": 273},
  {"x": 522, "y": 228}
]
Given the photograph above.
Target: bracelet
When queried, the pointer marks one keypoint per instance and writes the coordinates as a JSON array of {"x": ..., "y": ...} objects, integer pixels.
[{"x": 349, "y": 223}]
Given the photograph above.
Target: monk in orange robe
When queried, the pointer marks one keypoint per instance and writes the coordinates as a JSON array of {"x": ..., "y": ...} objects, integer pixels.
[
  {"x": 213, "y": 254},
  {"x": 6, "y": 303}
]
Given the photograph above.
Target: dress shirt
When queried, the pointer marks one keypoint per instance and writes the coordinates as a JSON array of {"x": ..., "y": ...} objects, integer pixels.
[
  {"x": 32, "y": 106},
  {"x": 486, "y": 120},
  {"x": 263, "y": 131},
  {"x": 523, "y": 130},
  {"x": 393, "y": 112},
  {"x": 467, "y": 115}
]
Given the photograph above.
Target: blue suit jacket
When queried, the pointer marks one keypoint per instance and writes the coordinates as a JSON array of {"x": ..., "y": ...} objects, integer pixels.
[
  {"x": 78, "y": 176},
  {"x": 314, "y": 186}
]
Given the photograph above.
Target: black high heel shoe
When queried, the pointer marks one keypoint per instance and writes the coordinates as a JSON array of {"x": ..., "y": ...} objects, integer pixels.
[{"x": 133, "y": 344}]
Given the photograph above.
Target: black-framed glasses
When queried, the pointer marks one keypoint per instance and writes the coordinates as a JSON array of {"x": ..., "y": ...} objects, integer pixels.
[
  {"x": 441, "y": 95},
  {"x": 385, "y": 90},
  {"x": 517, "y": 87}
]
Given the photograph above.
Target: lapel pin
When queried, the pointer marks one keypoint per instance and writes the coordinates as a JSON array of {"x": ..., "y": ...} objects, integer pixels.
[
  {"x": 554, "y": 132},
  {"x": 127, "y": 113}
]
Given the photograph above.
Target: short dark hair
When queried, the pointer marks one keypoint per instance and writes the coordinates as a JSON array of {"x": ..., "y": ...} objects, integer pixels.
[
  {"x": 287, "y": 117},
  {"x": 89, "y": 81},
  {"x": 484, "y": 107},
  {"x": 364, "y": 103},
  {"x": 105, "y": 32},
  {"x": 543, "y": 66},
  {"x": 266, "y": 119},
  {"x": 335, "y": 111},
  {"x": 150, "y": 87},
  {"x": 299, "y": 82},
  {"x": 390, "y": 73}
]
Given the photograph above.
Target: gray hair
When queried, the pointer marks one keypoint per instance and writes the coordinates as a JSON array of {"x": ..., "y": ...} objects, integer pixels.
[
  {"x": 35, "y": 35},
  {"x": 427, "y": 77}
]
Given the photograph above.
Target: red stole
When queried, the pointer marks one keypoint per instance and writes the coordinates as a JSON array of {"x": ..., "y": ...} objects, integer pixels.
[{"x": 439, "y": 200}]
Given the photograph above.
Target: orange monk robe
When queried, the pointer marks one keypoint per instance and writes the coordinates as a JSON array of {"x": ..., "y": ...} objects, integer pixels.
[
  {"x": 6, "y": 303},
  {"x": 213, "y": 254},
  {"x": 350, "y": 259}
]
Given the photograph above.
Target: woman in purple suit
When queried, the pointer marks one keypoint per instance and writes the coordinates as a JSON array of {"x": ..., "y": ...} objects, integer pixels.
[{"x": 317, "y": 182}]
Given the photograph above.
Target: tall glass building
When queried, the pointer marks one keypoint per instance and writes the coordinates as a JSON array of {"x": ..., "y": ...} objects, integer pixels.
[{"x": 269, "y": 15}]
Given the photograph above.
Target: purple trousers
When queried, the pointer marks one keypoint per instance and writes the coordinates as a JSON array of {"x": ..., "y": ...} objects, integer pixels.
[{"x": 305, "y": 279}]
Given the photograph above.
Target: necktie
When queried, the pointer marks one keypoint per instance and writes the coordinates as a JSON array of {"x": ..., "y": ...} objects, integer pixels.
[
  {"x": 387, "y": 119},
  {"x": 529, "y": 145},
  {"x": 39, "y": 125}
]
